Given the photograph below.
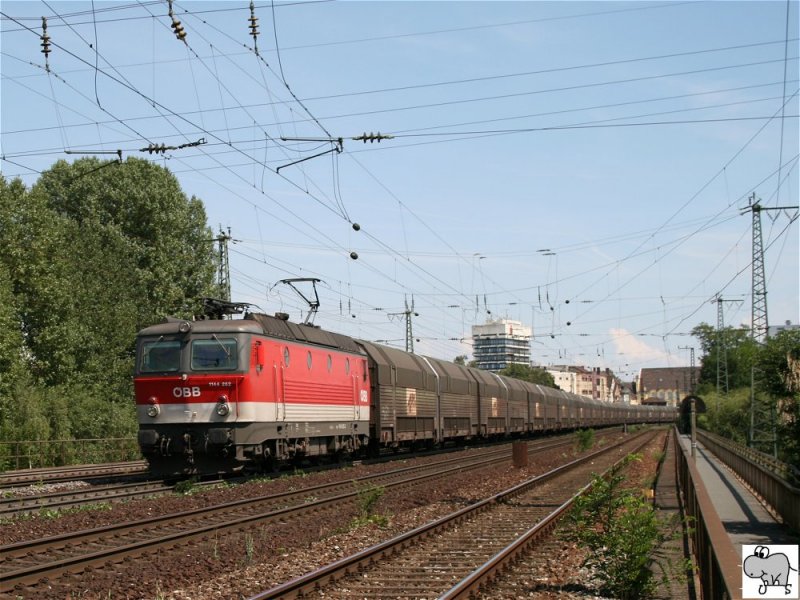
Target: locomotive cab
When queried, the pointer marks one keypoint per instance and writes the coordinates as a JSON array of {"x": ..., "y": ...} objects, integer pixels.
[
  {"x": 188, "y": 381},
  {"x": 218, "y": 395}
]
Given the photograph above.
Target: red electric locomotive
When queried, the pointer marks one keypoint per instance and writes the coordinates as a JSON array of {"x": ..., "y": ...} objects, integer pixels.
[
  {"x": 214, "y": 395},
  {"x": 217, "y": 395}
]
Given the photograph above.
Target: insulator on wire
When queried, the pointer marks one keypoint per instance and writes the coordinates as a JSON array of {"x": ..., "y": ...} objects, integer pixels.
[
  {"x": 253, "y": 21},
  {"x": 176, "y": 24},
  {"x": 179, "y": 32},
  {"x": 45, "y": 43},
  {"x": 162, "y": 148},
  {"x": 155, "y": 148},
  {"x": 373, "y": 137}
]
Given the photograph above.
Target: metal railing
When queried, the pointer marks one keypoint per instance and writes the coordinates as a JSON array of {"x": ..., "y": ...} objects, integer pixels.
[
  {"x": 769, "y": 478},
  {"x": 717, "y": 560},
  {"x": 31, "y": 454}
]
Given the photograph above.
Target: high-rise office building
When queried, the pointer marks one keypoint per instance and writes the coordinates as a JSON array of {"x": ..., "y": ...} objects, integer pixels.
[{"x": 500, "y": 343}]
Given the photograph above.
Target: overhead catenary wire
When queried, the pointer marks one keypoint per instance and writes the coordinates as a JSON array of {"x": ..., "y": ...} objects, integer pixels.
[
  {"x": 304, "y": 3},
  {"x": 590, "y": 65},
  {"x": 783, "y": 106},
  {"x": 225, "y": 160},
  {"x": 173, "y": 113}
]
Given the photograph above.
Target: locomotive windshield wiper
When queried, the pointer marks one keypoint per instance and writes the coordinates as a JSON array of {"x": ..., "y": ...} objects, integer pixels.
[{"x": 221, "y": 345}]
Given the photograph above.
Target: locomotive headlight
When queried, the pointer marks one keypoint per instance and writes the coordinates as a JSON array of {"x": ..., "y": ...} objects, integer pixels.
[
  {"x": 222, "y": 406},
  {"x": 153, "y": 410},
  {"x": 185, "y": 327}
]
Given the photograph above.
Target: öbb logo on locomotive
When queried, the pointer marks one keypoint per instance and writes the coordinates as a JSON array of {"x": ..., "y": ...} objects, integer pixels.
[
  {"x": 225, "y": 394},
  {"x": 185, "y": 392}
]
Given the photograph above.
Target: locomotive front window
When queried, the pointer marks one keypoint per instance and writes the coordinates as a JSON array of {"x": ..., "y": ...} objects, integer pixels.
[
  {"x": 160, "y": 356},
  {"x": 214, "y": 355}
]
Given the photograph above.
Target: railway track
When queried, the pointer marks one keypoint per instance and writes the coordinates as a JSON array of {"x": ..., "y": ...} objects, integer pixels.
[
  {"x": 15, "y": 502},
  {"x": 65, "y": 499},
  {"x": 25, "y": 564},
  {"x": 27, "y": 477},
  {"x": 453, "y": 556}
]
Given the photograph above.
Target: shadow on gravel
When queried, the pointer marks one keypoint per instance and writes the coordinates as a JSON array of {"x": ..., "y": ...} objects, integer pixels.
[{"x": 575, "y": 588}]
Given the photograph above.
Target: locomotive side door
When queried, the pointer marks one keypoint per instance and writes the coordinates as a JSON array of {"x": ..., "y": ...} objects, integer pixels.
[
  {"x": 279, "y": 392},
  {"x": 360, "y": 390},
  {"x": 355, "y": 397}
]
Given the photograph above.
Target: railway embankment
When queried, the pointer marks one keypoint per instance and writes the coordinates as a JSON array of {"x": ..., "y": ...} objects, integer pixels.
[{"x": 248, "y": 560}]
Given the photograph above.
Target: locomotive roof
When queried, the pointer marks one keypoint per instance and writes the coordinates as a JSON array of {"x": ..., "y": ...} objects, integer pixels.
[
  {"x": 263, "y": 324},
  {"x": 210, "y": 326},
  {"x": 281, "y": 328}
]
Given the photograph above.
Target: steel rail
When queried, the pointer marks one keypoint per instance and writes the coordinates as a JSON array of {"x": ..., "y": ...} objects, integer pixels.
[
  {"x": 504, "y": 560},
  {"x": 11, "y": 479},
  {"x": 59, "y": 500},
  {"x": 311, "y": 582},
  {"x": 31, "y": 574},
  {"x": 69, "y": 539}
]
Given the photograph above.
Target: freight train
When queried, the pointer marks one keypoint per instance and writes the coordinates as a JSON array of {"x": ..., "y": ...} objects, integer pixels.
[{"x": 220, "y": 395}]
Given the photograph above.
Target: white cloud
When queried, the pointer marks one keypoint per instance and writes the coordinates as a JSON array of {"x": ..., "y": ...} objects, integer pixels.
[{"x": 636, "y": 352}]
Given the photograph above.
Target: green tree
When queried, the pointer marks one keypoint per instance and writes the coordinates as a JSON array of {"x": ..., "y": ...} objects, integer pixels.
[
  {"x": 104, "y": 249},
  {"x": 770, "y": 368},
  {"x": 142, "y": 202},
  {"x": 462, "y": 360},
  {"x": 529, "y": 374},
  {"x": 12, "y": 354},
  {"x": 93, "y": 252},
  {"x": 739, "y": 349},
  {"x": 728, "y": 414},
  {"x": 778, "y": 376},
  {"x": 24, "y": 419}
]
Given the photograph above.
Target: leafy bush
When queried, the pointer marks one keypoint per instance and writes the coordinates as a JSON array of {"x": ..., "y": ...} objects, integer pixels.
[
  {"x": 368, "y": 497},
  {"x": 187, "y": 487},
  {"x": 584, "y": 439},
  {"x": 620, "y": 531}
]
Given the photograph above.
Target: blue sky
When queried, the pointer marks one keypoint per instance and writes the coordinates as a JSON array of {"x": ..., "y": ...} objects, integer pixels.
[{"x": 578, "y": 166}]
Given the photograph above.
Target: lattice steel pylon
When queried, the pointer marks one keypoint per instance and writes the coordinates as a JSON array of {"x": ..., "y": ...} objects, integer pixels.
[
  {"x": 223, "y": 266},
  {"x": 722, "y": 351},
  {"x": 409, "y": 333},
  {"x": 762, "y": 414},
  {"x": 760, "y": 322},
  {"x": 407, "y": 313},
  {"x": 722, "y": 346},
  {"x": 759, "y": 314},
  {"x": 763, "y": 417},
  {"x": 691, "y": 367},
  {"x": 762, "y": 408}
]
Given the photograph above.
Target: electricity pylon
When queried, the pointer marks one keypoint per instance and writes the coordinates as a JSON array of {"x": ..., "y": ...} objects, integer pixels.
[
  {"x": 223, "y": 264},
  {"x": 722, "y": 348},
  {"x": 408, "y": 313},
  {"x": 762, "y": 411}
]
